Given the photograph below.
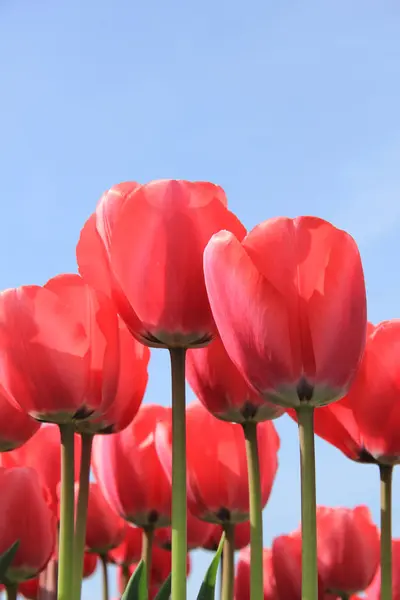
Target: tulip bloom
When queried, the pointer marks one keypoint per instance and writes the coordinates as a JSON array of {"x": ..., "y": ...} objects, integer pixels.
[
  {"x": 16, "y": 426},
  {"x": 129, "y": 550},
  {"x": 365, "y": 424},
  {"x": 29, "y": 589},
  {"x": 60, "y": 342},
  {"x": 290, "y": 306},
  {"x": 22, "y": 494},
  {"x": 128, "y": 461},
  {"x": 242, "y": 579},
  {"x": 221, "y": 388},
  {"x": 104, "y": 528},
  {"x": 348, "y": 549},
  {"x": 217, "y": 468},
  {"x": 45, "y": 443},
  {"x": 198, "y": 532},
  {"x": 241, "y": 536},
  {"x": 145, "y": 245}
]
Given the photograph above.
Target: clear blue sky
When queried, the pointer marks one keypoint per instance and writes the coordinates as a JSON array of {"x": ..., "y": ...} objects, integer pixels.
[{"x": 293, "y": 107}]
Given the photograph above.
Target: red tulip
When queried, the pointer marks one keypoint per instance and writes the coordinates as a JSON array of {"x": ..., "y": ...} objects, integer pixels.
[
  {"x": 198, "y": 532},
  {"x": 60, "y": 342},
  {"x": 348, "y": 549},
  {"x": 130, "y": 549},
  {"x": 132, "y": 382},
  {"x": 89, "y": 564},
  {"x": 104, "y": 528},
  {"x": 216, "y": 464},
  {"x": 241, "y": 536},
  {"x": 289, "y": 303},
  {"x": 365, "y": 425},
  {"x": 26, "y": 517},
  {"x": 242, "y": 579},
  {"x": 128, "y": 461},
  {"x": 221, "y": 388},
  {"x": 29, "y": 589},
  {"x": 373, "y": 592},
  {"x": 16, "y": 426},
  {"x": 286, "y": 561},
  {"x": 146, "y": 244},
  {"x": 45, "y": 443}
]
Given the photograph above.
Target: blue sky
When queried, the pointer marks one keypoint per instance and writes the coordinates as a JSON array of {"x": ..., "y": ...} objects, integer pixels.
[{"x": 293, "y": 107}]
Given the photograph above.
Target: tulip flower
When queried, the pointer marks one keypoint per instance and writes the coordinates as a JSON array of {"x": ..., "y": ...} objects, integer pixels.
[
  {"x": 130, "y": 549},
  {"x": 290, "y": 306},
  {"x": 242, "y": 579},
  {"x": 28, "y": 519},
  {"x": 145, "y": 247},
  {"x": 30, "y": 589},
  {"x": 128, "y": 461},
  {"x": 104, "y": 528},
  {"x": 364, "y": 425},
  {"x": 45, "y": 443},
  {"x": 348, "y": 549},
  {"x": 241, "y": 536},
  {"x": 198, "y": 532}
]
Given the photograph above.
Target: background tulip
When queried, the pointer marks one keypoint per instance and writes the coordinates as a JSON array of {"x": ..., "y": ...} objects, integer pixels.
[
  {"x": 45, "y": 443},
  {"x": 220, "y": 387},
  {"x": 348, "y": 549},
  {"x": 128, "y": 461},
  {"x": 29, "y": 520},
  {"x": 130, "y": 549},
  {"x": 374, "y": 590},
  {"x": 198, "y": 532},
  {"x": 241, "y": 536},
  {"x": 16, "y": 426}
]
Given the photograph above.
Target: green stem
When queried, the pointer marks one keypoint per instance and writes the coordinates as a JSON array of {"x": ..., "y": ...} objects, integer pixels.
[
  {"x": 386, "y": 472},
  {"x": 309, "y": 585},
  {"x": 179, "y": 544},
  {"x": 11, "y": 591},
  {"x": 147, "y": 547},
  {"x": 66, "y": 545},
  {"x": 81, "y": 515},
  {"x": 104, "y": 576},
  {"x": 256, "y": 523},
  {"x": 228, "y": 565}
]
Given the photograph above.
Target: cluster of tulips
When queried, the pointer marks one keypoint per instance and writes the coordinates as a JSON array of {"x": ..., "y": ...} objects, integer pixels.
[{"x": 260, "y": 324}]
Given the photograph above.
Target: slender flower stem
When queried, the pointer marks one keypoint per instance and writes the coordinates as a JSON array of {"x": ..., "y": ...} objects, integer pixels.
[
  {"x": 386, "y": 472},
  {"x": 147, "y": 547},
  {"x": 309, "y": 585},
  {"x": 228, "y": 565},
  {"x": 11, "y": 591},
  {"x": 81, "y": 514},
  {"x": 256, "y": 524},
  {"x": 125, "y": 576},
  {"x": 104, "y": 576},
  {"x": 179, "y": 543},
  {"x": 66, "y": 545}
]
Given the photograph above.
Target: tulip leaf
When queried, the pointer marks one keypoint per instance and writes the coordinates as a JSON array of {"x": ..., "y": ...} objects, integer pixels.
[
  {"x": 137, "y": 586},
  {"x": 6, "y": 559},
  {"x": 207, "y": 590},
  {"x": 164, "y": 592}
]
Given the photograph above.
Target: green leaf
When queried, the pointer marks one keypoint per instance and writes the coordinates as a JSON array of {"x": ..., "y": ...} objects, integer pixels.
[
  {"x": 137, "y": 586},
  {"x": 164, "y": 592},
  {"x": 6, "y": 559},
  {"x": 207, "y": 590}
]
